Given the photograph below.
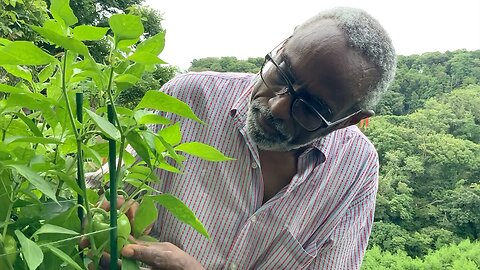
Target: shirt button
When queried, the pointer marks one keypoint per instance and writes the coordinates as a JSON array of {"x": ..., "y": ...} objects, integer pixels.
[
  {"x": 254, "y": 165},
  {"x": 233, "y": 266},
  {"x": 253, "y": 219}
]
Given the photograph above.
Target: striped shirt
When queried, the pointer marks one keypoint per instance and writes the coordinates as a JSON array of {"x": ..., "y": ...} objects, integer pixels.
[{"x": 321, "y": 220}]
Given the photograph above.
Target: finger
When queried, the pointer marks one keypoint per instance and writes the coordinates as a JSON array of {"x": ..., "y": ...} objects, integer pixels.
[
  {"x": 105, "y": 203},
  {"x": 132, "y": 207},
  {"x": 129, "y": 250},
  {"x": 142, "y": 253},
  {"x": 105, "y": 261},
  {"x": 84, "y": 243}
]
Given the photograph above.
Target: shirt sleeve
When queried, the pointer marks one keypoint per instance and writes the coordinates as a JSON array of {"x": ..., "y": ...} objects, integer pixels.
[{"x": 348, "y": 242}]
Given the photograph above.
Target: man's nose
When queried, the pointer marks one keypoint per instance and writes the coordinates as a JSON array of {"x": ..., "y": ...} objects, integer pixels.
[{"x": 280, "y": 106}]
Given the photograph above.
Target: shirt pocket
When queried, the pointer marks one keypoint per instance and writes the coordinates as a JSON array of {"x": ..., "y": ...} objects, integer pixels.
[{"x": 285, "y": 252}]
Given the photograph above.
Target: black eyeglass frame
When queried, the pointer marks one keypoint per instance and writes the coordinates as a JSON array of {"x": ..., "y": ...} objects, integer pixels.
[{"x": 296, "y": 97}]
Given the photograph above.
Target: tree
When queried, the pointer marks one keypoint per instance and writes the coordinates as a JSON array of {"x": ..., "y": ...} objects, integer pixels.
[
  {"x": 462, "y": 256},
  {"x": 15, "y": 15},
  {"x": 430, "y": 162},
  {"x": 227, "y": 64},
  {"x": 432, "y": 74}
]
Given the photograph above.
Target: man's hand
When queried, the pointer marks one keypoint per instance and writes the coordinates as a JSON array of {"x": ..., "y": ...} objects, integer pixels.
[{"x": 161, "y": 256}]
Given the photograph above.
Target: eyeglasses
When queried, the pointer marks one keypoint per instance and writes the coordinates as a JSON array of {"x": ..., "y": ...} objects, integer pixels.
[{"x": 312, "y": 114}]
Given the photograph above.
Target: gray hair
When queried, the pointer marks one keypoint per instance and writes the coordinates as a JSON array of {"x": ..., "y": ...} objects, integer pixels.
[{"x": 364, "y": 33}]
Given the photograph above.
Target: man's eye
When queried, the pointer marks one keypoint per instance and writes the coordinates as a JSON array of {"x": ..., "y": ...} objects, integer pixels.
[{"x": 279, "y": 80}]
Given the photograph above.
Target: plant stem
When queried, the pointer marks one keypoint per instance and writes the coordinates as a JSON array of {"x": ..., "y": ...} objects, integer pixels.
[
  {"x": 6, "y": 128},
  {"x": 64, "y": 91},
  {"x": 116, "y": 121},
  {"x": 81, "y": 174}
]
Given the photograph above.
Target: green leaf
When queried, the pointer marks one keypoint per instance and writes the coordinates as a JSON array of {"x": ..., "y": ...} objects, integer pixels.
[
  {"x": 139, "y": 184},
  {"x": 55, "y": 26},
  {"x": 13, "y": 90},
  {"x": 46, "y": 72},
  {"x": 70, "y": 181},
  {"x": 93, "y": 155},
  {"x": 42, "y": 140},
  {"x": 166, "y": 146},
  {"x": 126, "y": 78},
  {"x": 126, "y": 27},
  {"x": 167, "y": 167},
  {"x": 32, "y": 253},
  {"x": 30, "y": 124},
  {"x": 4, "y": 41},
  {"x": 6, "y": 189},
  {"x": 202, "y": 151},
  {"x": 129, "y": 264},
  {"x": 24, "y": 53},
  {"x": 68, "y": 43},
  {"x": 135, "y": 69},
  {"x": 49, "y": 228},
  {"x": 157, "y": 100},
  {"x": 171, "y": 134},
  {"x": 146, "y": 58},
  {"x": 126, "y": 43},
  {"x": 64, "y": 257},
  {"x": 61, "y": 11},
  {"x": 105, "y": 126},
  {"x": 144, "y": 117},
  {"x": 35, "y": 179},
  {"x": 144, "y": 172},
  {"x": 136, "y": 141},
  {"x": 19, "y": 71},
  {"x": 153, "y": 45},
  {"x": 35, "y": 101},
  {"x": 88, "y": 32},
  {"x": 180, "y": 211},
  {"x": 146, "y": 214}
]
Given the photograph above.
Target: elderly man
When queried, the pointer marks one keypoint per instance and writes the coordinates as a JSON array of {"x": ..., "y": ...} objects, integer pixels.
[{"x": 301, "y": 193}]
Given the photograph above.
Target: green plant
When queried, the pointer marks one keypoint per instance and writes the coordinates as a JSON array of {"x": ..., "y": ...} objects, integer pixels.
[
  {"x": 49, "y": 134},
  {"x": 8, "y": 247},
  {"x": 101, "y": 225}
]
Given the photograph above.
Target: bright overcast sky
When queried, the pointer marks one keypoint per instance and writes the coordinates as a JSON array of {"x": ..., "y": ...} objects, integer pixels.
[{"x": 251, "y": 28}]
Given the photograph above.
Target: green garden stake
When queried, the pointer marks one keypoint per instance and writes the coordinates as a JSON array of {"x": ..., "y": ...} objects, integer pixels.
[
  {"x": 112, "y": 149},
  {"x": 79, "y": 104}
]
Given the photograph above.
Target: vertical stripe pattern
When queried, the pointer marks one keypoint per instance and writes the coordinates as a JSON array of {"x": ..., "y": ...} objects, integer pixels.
[{"x": 321, "y": 220}]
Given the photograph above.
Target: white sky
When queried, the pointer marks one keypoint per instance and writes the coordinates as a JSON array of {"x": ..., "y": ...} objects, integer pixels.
[{"x": 251, "y": 28}]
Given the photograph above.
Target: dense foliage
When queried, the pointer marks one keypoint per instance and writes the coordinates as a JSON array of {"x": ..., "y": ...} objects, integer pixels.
[
  {"x": 420, "y": 77},
  {"x": 462, "y": 256},
  {"x": 227, "y": 64},
  {"x": 59, "y": 117},
  {"x": 17, "y": 15},
  {"x": 430, "y": 169}
]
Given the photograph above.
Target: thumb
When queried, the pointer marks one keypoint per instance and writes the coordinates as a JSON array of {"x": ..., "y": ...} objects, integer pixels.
[{"x": 128, "y": 251}]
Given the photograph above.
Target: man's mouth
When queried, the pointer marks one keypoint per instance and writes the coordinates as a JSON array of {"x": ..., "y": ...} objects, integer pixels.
[{"x": 267, "y": 125}]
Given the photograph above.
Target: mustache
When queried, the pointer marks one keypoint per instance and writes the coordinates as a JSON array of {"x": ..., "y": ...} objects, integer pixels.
[{"x": 267, "y": 113}]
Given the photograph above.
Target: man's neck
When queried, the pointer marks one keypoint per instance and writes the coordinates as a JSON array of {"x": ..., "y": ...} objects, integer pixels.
[{"x": 278, "y": 169}]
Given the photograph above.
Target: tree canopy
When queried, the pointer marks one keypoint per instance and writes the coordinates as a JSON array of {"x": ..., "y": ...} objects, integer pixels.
[{"x": 17, "y": 15}]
